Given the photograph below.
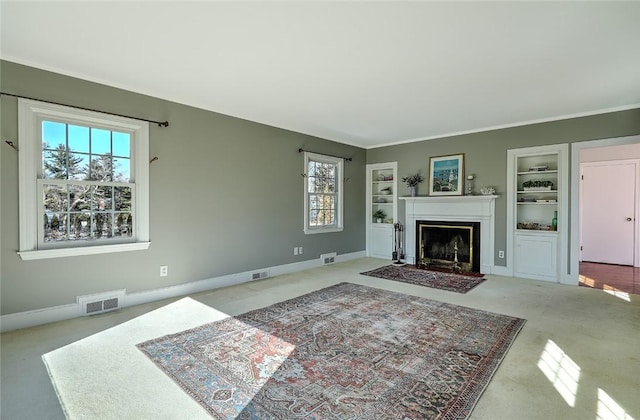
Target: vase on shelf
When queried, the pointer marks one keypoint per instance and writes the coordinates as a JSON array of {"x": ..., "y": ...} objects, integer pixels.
[
  {"x": 554, "y": 221},
  {"x": 413, "y": 191}
]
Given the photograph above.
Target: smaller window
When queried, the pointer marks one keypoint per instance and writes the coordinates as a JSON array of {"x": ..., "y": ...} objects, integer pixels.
[{"x": 323, "y": 193}]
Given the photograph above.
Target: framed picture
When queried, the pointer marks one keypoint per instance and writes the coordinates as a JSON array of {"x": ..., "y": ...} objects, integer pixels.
[{"x": 446, "y": 175}]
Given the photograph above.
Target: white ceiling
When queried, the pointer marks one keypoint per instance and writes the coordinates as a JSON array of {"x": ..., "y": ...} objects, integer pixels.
[{"x": 361, "y": 73}]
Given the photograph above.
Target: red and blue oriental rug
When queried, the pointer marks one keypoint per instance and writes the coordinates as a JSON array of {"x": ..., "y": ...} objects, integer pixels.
[
  {"x": 344, "y": 352},
  {"x": 452, "y": 282}
]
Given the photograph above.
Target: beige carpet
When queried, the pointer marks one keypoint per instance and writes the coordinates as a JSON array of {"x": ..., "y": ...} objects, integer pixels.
[{"x": 105, "y": 376}]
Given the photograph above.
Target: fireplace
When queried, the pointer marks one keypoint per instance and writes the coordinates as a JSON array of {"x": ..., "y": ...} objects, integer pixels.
[
  {"x": 448, "y": 244},
  {"x": 466, "y": 208}
]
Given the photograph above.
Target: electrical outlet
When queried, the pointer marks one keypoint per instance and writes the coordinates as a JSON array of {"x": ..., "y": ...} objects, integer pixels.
[
  {"x": 300, "y": 250},
  {"x": 164, "y": 270},
  {"x": 295, "y": 250},
  {"x": 500, "y": 254}
]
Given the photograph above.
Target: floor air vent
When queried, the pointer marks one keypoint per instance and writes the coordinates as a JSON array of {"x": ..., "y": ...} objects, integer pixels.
[
  {"x": 259, "y": 275},
  {"x": 101, "y": 302},
  {"x": 329, "y": 258}
]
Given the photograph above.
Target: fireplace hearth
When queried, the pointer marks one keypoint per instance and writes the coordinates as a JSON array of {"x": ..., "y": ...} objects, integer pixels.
[{"x": 448, "y": 244}]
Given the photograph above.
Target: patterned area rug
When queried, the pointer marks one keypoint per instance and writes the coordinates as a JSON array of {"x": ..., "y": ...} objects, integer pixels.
[
  {"x": 436, "y": 279},
  {"x": 344, "y": 352}
]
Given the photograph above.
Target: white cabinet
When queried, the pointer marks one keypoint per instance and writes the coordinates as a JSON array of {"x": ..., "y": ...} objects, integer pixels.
[
  {"x": 536, "y": 256},
  {"x": 382, "y": 208},
  {"x": 381, "y": 241},
  {"x": 537, "y": 212}
]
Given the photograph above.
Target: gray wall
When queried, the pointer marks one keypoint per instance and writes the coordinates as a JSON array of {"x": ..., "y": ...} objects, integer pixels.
[
  {"x": 486, "y": 154},
  {"x": 226, "y": 196}
]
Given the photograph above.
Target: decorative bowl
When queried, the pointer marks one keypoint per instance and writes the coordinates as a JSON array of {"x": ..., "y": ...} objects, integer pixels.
[{"x": 487, "y": 190}]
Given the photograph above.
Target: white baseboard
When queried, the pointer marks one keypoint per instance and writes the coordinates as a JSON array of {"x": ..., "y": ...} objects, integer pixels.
[
  {"x": 500, "y": 270},
  {"x": 36, "y": 317},
  {"x": 26, "y": 319}
]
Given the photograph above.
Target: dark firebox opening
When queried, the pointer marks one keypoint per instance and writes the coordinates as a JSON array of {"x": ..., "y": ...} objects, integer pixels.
[{"x": 436, "y": 242}]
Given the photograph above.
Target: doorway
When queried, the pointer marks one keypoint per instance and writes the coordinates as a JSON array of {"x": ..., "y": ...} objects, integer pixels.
[
  {"x": 607, "y": 211},
  {"x": 605, "y": 206}
]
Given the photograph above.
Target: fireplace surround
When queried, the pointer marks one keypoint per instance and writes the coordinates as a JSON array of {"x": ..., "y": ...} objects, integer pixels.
[{"x": 468, "y": 208}]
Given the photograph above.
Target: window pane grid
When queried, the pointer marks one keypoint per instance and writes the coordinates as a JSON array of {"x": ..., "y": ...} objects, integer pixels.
[
  {"x": 72, "y": 152},
  {"x": 82, "y": 210},
  {"x": 83, "y": 153},
  {"x": 322, "y": 209},
  {"x": 322, "y": 189}
]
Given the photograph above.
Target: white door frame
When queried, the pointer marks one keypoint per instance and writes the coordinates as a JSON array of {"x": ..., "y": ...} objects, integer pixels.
[{"x": 576, "y": 148}]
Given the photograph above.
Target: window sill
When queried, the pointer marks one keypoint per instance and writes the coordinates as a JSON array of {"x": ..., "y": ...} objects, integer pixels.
[
  {"x": 88, "y": 250},
  {"x": 322, "y": 230}
]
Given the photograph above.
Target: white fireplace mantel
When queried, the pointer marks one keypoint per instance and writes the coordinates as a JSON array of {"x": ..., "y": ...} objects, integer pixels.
[{"x": 467, "y": 208}]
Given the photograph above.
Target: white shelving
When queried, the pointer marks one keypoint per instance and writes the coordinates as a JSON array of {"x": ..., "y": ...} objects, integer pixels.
[
  {"x": 382, "y": 187},
  {"x": 537, "y": 212}
]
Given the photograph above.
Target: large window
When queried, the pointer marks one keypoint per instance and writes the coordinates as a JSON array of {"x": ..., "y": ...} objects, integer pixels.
[
  {"x": 323, "y": 193},
  {"x": 83, "y": 182}
]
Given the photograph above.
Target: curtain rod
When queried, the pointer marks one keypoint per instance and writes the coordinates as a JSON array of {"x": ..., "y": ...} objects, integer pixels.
[
  {"x": 339, "y": 157},
  {"x": 160, "y": 123}
]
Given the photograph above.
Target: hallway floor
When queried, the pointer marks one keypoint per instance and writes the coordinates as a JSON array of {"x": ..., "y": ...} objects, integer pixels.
[
  {"x": 575, "y": 358},
  {"x": 610, "y": 277}
]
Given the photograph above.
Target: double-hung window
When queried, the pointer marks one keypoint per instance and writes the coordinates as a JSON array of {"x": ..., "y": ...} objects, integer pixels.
[
  {"x": 83, "y": 181},
  {"x": 323, "y": 193}
]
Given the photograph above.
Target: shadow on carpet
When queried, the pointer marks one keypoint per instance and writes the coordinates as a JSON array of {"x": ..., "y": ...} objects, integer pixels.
[
  {"x": 438, "y": 280},
  {"x": 346, "y": 351}
]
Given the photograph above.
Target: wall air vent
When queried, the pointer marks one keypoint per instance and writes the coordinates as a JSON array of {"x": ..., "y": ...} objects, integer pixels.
[
  {"x": 329, "y": 258},
  {"x": 259, "y": 275},
  {"x": 101, "y": 302}
]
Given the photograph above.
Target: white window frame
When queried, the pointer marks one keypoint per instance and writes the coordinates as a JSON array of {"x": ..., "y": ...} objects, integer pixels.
[
  {"x": 31, "y": 113},
  {"x": 338, "y": 226}
]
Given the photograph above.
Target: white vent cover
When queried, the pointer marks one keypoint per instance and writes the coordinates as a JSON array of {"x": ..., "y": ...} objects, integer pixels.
[
  {"x": 101, "y": 302},
  {"x": 329, "y": 258},
  {"x": 259, "y": 275}
]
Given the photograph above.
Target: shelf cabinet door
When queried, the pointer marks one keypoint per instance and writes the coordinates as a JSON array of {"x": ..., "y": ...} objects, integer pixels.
[
  {"x": 381, "y": 241},
  {"x": 536, "y": 256}
]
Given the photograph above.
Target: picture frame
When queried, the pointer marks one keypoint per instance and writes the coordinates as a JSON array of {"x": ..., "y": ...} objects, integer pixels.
[{"x": 446, "y": 175}]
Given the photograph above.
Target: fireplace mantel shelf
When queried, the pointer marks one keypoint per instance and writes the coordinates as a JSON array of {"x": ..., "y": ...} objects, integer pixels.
[{"x": 449, "y": 198}]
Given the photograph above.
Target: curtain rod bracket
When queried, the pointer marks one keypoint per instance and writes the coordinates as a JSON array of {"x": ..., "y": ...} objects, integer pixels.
[{"x": 10, "y": 143}]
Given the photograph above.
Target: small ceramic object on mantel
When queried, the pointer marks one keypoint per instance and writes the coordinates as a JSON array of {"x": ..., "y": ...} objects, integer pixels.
[{"x": 487, "y": 190}]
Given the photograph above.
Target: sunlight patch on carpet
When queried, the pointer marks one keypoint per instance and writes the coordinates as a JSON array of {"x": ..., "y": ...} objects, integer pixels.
[
  {"x": 609, "y": 409},
  {"x": 105, "y": 375},
  {"x": 561, "y": 371},
  {"x": 346, "y": 351}
]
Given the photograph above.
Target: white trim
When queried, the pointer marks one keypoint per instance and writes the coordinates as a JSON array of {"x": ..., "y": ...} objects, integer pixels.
[
  {"x": 576, "y": 148},
  {"x": 150, "y": 92},
  {"x": 32, "y": 318},
  {"x": 500, "y": 270},
  {"x": 30, "y": 114},
  {"x": 86, "y": 250},
  {"x": 510, "y": 125},
  {"x": 466, "y": 208}
]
